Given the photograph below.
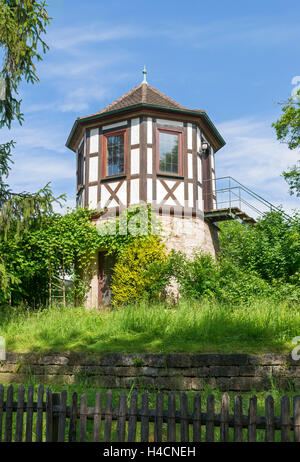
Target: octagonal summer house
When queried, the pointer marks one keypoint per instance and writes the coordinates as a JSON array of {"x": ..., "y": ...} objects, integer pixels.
[{"x": 147, "y": 147}]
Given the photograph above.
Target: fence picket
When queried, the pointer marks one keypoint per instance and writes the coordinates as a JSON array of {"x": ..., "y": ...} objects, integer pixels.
[
  {"x": 108, "y": 417},
  {"x": 57, "y": 412},
  {"x": 224, "y": 424},
  {"x": 210, "y": 415},
  {"x": 62, "y": 417},
  {"x": 121, "y": 424},
  {"x": 285, "y": 419},
  {"x": 39, "y": 416},
  {"x": 82, "y": 421},
  {"x": 9, "y": 414},
  {"x": 1, "y": 409},
  {"x": 132, "y": 418},
  {"x": 29, "y": 414},
  {"x": 238, "y": 419},
  {"x": 296, "y": 415},
  {"x": 73, "y": 418},
  {"x": 55, "y": 416},
  {"x": 270, "y": 427},
  {"x": 19, "y": 416},
  {"x": 197, "y": 419},
  {"x": 145, "y": 418},
  {"x": 184, "y": 424},
  {"x": 171, "y": 429},
  {"x": 97, "y": 417},
  {"x": 158, "y": 418},
  {"x": 252, "y": 418},
  {"x": 49, "y": 416}
]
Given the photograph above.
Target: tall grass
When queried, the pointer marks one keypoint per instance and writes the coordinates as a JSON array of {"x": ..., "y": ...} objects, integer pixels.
[{"x": 262, "y": 326}]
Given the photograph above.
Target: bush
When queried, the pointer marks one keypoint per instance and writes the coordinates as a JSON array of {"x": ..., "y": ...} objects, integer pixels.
[
  {"x": 140, "y": 271},
  {"x": 196, "y": 276},
  {"x": 236, "y": 285},
  {"x": 202, "y": 277},
  {"x": 271, "y": 248}
]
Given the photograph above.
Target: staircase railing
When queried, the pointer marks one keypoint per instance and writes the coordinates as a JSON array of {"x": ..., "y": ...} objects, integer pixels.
[{"x": 226, "y": 192}]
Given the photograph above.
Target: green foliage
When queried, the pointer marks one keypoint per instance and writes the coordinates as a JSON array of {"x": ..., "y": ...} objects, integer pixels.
[
  {"x": 136, "y": 222},
  {"x": 271, "y": 248},
  {"x": 22, "y": 23},
  {"x": 288, "y": 130},
  {"x": 197, "y": 276},
  {"x": 288, "y": 126},
  {"x": 56, "y": 247},
  {"x": 202, "y": 277},
  {"x": 260, "y": 261},
  {"x": 139, "y": 271},
  {"x": 292, "y": 177},
  {"x": 237, "y": 285}
]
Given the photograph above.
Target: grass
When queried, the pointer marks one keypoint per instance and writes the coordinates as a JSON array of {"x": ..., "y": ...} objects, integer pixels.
[
  {"x": 262, "y": 326},
  {"x": 91, "y": 391}
]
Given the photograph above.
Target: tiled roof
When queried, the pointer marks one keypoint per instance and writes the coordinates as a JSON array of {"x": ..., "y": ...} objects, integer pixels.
[{"x": 143, "y": 93}]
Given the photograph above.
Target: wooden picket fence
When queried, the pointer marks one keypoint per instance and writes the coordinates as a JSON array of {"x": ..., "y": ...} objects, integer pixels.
[{"x": 55, "y": 420}]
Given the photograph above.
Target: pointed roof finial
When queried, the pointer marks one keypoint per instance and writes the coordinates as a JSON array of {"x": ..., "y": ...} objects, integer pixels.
[{"x": 145, "y": 75}]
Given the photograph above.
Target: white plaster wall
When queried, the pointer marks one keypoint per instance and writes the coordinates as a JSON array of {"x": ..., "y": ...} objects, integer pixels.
[
  {"x": 199, "y": 168},
  {"x": 189, "y": 136},
  {"x": 104, "y": 196},
  {"x": 134, "y": 191},
  {"x": 200, "y": 199},
  {"x": 122, "y": 193},
  {"x": 93, "y": 169},
  {"x": 94, "y": 140},
  {"x": 135, "y": 161},
  {"x": 191, "y": 195},
  {"x": 135, "y": 131},
  {"x": 149, "y": 130},
  {"x": 149, "y": 190},
  {"x": 190, "y": 165},
  {"x": 160, "y": 191},
  {"x": 149, "y": 160},
  {"x": 198, "y": 139},
  {"x": 179, "y": 193},
  {"x": 174, "y": 123},
  {"x": 93, "y": 197},
  {"x": 212, "y": 159},
  {"x": 116, "y": 125}
]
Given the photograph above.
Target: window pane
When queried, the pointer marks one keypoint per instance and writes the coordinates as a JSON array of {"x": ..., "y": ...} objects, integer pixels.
[
  {"x": 168, "y": 152},
  {"x": 115, "y": 155}
]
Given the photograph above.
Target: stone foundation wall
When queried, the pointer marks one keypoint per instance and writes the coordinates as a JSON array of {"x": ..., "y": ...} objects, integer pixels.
[
  {"x": 189, "y": 234},
  {"x": 236, "y": 372}
]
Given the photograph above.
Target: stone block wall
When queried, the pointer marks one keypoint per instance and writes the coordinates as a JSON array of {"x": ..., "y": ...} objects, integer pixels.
[{"x": 170, "y": 372}]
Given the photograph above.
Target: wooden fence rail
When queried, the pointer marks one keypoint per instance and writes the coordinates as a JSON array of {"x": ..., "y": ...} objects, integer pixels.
[{"x": 56, "y": 420}]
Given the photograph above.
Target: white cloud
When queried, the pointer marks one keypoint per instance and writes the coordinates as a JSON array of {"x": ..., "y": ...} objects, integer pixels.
[
  {"x": 256, "y": 159},
  {"x": 69, "y": 38},
  {"x": 250, "y": 31},
  {"x": 31, "y": 135}
]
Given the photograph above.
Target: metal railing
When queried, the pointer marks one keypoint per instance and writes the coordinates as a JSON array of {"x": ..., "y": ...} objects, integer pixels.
[{"x": 226, "y": 192}]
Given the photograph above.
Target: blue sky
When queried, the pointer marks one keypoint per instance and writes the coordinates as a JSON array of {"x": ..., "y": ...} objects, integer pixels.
[{"x": 234, "y": 59}]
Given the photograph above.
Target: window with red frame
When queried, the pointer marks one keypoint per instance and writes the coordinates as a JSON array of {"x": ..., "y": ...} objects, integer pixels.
[
  {"x": 169, "y": 151},
  {"x": 114, "y": 153}
]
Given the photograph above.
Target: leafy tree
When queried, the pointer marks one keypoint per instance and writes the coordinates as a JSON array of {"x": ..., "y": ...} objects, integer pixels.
[
  {"x": 22, "y": 23},
  {"x": 60, "y": 247},
  {"x": 271, "y": 248},
  {"x": 288, "y": 130}
]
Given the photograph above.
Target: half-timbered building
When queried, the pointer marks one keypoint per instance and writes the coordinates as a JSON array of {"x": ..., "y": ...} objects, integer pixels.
[{"x": 146, "y": 147}]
